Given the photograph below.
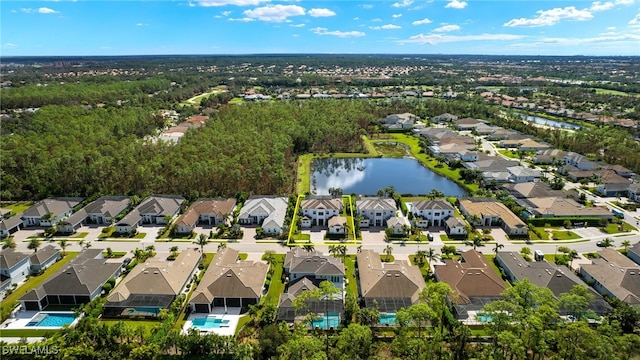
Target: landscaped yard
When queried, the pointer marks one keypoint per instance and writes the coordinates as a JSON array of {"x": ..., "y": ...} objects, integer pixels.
[
  {"x": 25, "y": 333},
  {"x": 36, "y": 281},
  {"x": 276, "y": 287},
  {"x": 18, "y": 207},
  {"x": 350, "y": 268},
  {"x": 564, "y": 235},
  {"x": 149, "y": 325},
  {"x": 615, "y": 228},
  {"x": 509, "y": 153},
  {"x": 424, "y": 269}
]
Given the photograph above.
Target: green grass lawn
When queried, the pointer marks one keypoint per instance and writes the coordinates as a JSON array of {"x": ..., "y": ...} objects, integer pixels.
[
  {"x": 350, "y": 267},
  {"x": 18, "y": 207},
  {"x": 242, "y": 322},
  {"x": 390, "y": 151},
  {"x": 148, "y": 324},
  {"x": 108, "y": 233},
  {"x": 277, "y": 286},
  {"x": 424, "y": 269},
  {"x": 36, "y": 281},
  {"x": 81, "y": 235},
  {"x": 615, "y": 228},
  {"x": 613, "y": 92},
  {"x": 26, "y": 333},
  {"x": 489, "y": 258},
  {"x": 303, "y": 182},
  {"x": 509, "y": 153},
  {"x": 564, "y": 235}
]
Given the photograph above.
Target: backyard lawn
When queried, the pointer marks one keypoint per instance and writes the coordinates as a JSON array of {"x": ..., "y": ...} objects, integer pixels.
[
  {"x": 276, "y": 287},
  {"x": 350, "y": 267},
  {"x": 564, "y": 235},
  {"x": 36, "y": 281},
  {"x": 18, "y": 207},
  {"x": 615, "y": 228}
]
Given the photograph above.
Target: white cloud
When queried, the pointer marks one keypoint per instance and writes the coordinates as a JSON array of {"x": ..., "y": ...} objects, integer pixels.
[
  {"x": 552, "y": 17},
  {"x": 403, "y": 3},
  {"x": 226, "y": 13},
  {"x": 274, "y": 13},
  {"x": 356, "y": 18},
  {"x": 244, "y": 19},
  {"x": 8, "y": 45},
  {"x": 597, "y": 39},
  {"x": 385, "y": 27},
  {"x": 456, "y": 4},
  {"x": 27, "y": 10},
  {"x": 321, "y": 13},
  {"x": 376, "y": 20},
  {"x": 601, "y": 6},
  {"x": 635, "y": 20},
  {"x": 611, "y": 28},
  {"x": 434, "y": 39},
  {"x": 422, "y": 22},
  {"x": 208, "y": 3},
  {"x": 44, "y": 10},
  {"x": 341, "y": 34},
  {"x": 297, "y": 25},
  {"x": 447, "y": 28},
  {"x": 367, "y": 6},
  {"x": 395, "y": 16},
  {"x": 624, "y": 2}
]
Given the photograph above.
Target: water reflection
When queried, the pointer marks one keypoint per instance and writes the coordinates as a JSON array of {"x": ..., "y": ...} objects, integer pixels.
[{"x": 367, "y": 176}]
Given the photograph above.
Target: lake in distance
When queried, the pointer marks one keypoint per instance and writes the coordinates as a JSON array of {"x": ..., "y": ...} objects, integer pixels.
[{"x": 365, "y": 176}]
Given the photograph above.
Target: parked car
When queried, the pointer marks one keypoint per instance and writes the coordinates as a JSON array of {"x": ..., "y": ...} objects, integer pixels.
[{"x": 600, "y": 244}]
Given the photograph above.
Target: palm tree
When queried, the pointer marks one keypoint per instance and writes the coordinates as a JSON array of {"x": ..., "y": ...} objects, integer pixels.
[
  {"x": 333, "y": 250},
  {"x": 342, "y": 251},
  {"x": 309, "y": 247},
  {"x": 87, "y": 245},
  {"x": 81, "y": 243},
  {"x": 625, "y": 244},
  {"x": 174, "y": 250},
  {"x": 420, "y": 257},
  {"x": 270, "y": 257},
  {"x": 9, "y": 243},
  {"x": 388, "y": 251},
  {"x": 476, "y": 242},
  {"x": 34, "y": 244},
  {"x": 63, "y": 245},
  {"x": 497, "y": 248},
  {"x": 606, "y": 243},
  {"x": 202, "y": 241},
  {"x": 432, "y": 255},
  {"x": 222, "y": 246}
]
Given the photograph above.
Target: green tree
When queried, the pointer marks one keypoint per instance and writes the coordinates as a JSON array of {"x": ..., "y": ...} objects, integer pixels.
[
  {"x": 497, "y": 248},
  {"x": 9, "y": 243},
  {"x": 63, "y": 245},
  {"x": 202, "y": 241},
  {"x": 625, "y": 245},
  {"x": 34, "y": 244},
  {"x": 355, "y": 342},
  {"x": 475, "y": 242},
  {"x": 607, "y": 243},
  {"x": 388, "y": 251}
]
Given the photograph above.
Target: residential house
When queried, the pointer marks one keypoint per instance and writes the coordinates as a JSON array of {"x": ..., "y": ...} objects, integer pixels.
[
  {"x": 532, "y": 145},
  {"x": 455, "y": 227},
  {"x": 431, "y": 212},
  {"x": 375, "y": 211},
  {"x": 78, "y": 282},
  {"x": 43, "y": 258},
  {"x": 304, "y": 271},
  {"x": 562, "y": 207},
  {"x": 400, "y": 121},
  {"x": 153, "y": 210},
  {"x": 446, "y": 117},
  {"x": 612, "y": 184},
  {"x": 535, "y": 189},
  {"x": 229, "y": 282},
  {"x": 491, "y": 212},
  {"x": 549, "y": 156},
  {"x": 320, "y": 209},
  {"x": 14, "y": 267},
  {"x": 388, "y": 287},
  {"x": 102, "y": 211},
  {"x": 633, "y": 192},
  {"x": 634, "y": 252},
  {"x": 466, "y": 124},
  {"x": 580, "y": 161},
  {"x": 399, "y": 225},
  {"x": 558, "y": 279},
  {"x": 10, "y": 225},
  {"x": 268, "y": 212},
  {"x": 49, "y": 212},
  {"x": 620, "y": 170},
  {"x": 502, "y": 134},
  {"x": 473, "y": 281},
  {"x": 519, "y": 174},
  {"x": 337, "y": 225},
  {"x": 613, "y": 274},
  {"x": 153, "y": 285},
  {"x": 493, "y": 168},
  {"x": 467, "y": 155},
  {"x": 204, "y": 211}
]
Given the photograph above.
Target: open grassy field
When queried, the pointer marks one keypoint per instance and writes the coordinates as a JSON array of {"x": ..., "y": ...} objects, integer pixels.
[
  {"x": 564, "y": 235},
  {"x": 613, "y": 92},
  {"x": 18, "y": 207},
  {"x": 36, "y": 281}
]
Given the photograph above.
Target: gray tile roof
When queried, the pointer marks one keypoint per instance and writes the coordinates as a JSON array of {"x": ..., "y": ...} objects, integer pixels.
[
  {"x": 617, "y": 273},
  {"x": 10, "y": 258},
  {"x": 432, "y": 205},
  {"x": 159, "y": 205},
  {"x": 43, "y": 254},
  {"x": 56, "y": 206},
  {"x": 274, "y": 207},
  {"x": 299, "y": 260},
  {"x": 376, "y": 203}
]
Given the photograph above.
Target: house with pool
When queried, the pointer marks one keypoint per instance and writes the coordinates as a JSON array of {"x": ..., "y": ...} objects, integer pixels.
[
  {"x": 473, "y": 280},
  {"x": 153, "y": 285},
  {"x": 78, "y": 282},
  {"x": 388, "y": 287},
  {"x": 305, "y": 271},
  {"x": 229, "y": 282}
]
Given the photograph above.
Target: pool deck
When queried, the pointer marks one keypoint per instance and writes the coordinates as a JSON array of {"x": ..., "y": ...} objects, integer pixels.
[
  {"x": 232, "y": 314},
  {"x": 22, "y": 318}
]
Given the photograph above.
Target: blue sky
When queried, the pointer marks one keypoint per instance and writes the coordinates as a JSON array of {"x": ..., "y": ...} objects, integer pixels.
[{"x": 518, "y": 27}]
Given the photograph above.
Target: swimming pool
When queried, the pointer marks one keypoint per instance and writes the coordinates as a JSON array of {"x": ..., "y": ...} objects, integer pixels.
[
  {"x": 388, "y": 319},
  {"x": 328, "y": 321},
  {"x": 209, "y": 322},
  {"x": 52, "y": 319},
  {"x": 483, "y": 318},
  {"x": 143, "y": 311}
]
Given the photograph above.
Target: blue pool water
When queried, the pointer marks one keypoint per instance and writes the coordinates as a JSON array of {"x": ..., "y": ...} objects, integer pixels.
[
  {"x": 388, "y": 319},
  {"x": 150, "y": 310},
  {"x": 210, "y": 322},
  {"x": 484, "y": 318},
  {"x": 332, "y": 320},
  {"x": 52, "y": 319}
]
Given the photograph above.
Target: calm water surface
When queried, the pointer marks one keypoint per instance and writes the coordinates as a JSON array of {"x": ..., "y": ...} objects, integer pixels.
[{"x": 367, "y": 176}]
